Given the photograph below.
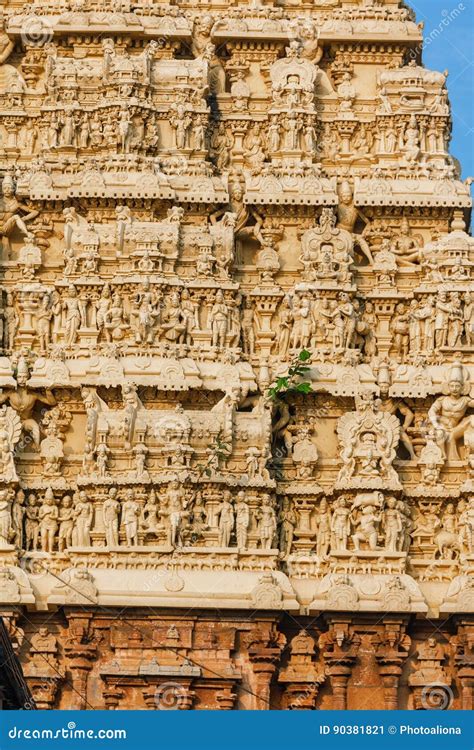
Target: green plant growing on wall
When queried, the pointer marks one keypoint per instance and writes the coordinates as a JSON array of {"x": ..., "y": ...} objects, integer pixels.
[
  {"x": 292, "y": 381},
  {"x": 218, "y": 451}
]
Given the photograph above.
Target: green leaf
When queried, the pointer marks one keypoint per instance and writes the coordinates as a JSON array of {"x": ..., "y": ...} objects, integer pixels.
[
  {"x": 303, "y": 388},
  {"x": 304, "y": 355}
]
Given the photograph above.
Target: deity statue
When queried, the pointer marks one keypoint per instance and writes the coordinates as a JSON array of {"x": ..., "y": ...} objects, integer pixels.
[
  {"x": 242, "y": 520},
  {"x": 347, "y": 216},
  {"x": 267, "y": 523},
  {"x": 130, "y": 515},
  {"x": 225, "y": 512},
  {"x": 110, "y": 513},
  {"x": 323, "y": 540},
  {"x": 66, "y": 523},
  {"x": 366, "y": 515},
  {"x": 18, "y": 516},
  {"x": 305, "y": 454},
  {"x": 23, "y": 400},
  {"x": 287, "y": 519},
  {"x": 13, "y": 214},
  {"x": 448, "y": 413},
  {"x": 32, "y": 523},
  {"x": 48, "y": 515},
  {"x": 83, "y": 517},
  {"x": 340, "y": 525},
  {"x": 218, "y": 320},
  {"x": 5, "y": 518},
  {"x": 176, "y": 512},
  {"x": 10, "y": 432},
  {"x": 368, "y": 438}
]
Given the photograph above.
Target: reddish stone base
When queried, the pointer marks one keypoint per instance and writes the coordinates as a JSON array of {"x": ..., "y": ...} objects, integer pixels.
[{"x": 143, "y": 659}]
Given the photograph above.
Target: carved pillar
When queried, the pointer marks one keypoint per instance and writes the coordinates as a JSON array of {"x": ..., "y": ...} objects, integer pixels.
[
  {"x": 112, "y": 697},
  {"x": 466, "y": 679},
  {"x": 263, "y": 670},
  {"x": 339, "y": 673},
  {"x": 464, "y": 660},
  {"x": 300, "y": 697},
  {"x": 28, "y": 305},
  {"x": 346, "y": 130},
  {"x": 226, "y": 699},
  {"x": 265, "y": 306},
  {"x": 430, "y": 682},
  {"x": 390, "y": 673},
  {"x": 305, "y": 535},
  {"x": 79, "y": 665},
  {"x": 80, "y": 655},
  {"x": 391, "y": 652},
  {"x": 239, "y": 131},
  {"x": 168, "y": 695},
  {"x": 13, "y": 127},
  {"x": 264, "y": 648},
  {"x": 340, "y": 653},
  {"x": 43, "y": 671},
  {"x": 301, "y": 676},
  {"x": 384, "y": 309},
  {"x": 186, "y": 698},
  {"x": 149, "y": 696},
  {"x": 44, "y": 691},
  {"x": 15, "y": 632}
]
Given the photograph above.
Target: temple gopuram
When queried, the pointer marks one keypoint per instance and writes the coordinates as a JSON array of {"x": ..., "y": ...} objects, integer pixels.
[{"x": 236, "y": 358}]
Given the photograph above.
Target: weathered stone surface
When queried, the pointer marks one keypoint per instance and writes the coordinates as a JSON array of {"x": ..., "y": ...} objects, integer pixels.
[{"x": 237, "y": 359}]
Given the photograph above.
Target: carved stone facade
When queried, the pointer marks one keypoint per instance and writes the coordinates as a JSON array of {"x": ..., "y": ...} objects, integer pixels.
[{"x": 237, "y": 366}]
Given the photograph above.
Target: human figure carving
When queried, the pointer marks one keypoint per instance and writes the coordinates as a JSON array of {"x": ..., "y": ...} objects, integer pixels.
[
  {"x": 13, "y": 214},
  {"x": 23, "y": 401},
  {"x": 448, "y": 413}
]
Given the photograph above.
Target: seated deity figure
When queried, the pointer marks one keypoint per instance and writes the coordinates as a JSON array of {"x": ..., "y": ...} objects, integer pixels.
[{"x": 448, "y": 413}]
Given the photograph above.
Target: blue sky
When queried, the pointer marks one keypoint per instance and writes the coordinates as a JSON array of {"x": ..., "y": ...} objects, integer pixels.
[{"x": 453, "y": 49}]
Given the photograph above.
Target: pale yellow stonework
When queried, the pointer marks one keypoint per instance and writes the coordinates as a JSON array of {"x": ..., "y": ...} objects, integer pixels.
[{"x": 191, "y": 197}]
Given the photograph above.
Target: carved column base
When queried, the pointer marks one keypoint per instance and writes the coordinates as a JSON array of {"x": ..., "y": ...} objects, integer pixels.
[
  {"x": 339, "y": 675},
  {"x": 226, "y": 699},
  {"x": 390, "y": 675},
  {"x": 44, "y": 691},
  {"x": 433, "y": 697},
  {"x": 112, "y": 697},
  {"x": 263, "y": 672},
  {"x": 466, "y": 678},
  {"x": 300, "y": 696}
]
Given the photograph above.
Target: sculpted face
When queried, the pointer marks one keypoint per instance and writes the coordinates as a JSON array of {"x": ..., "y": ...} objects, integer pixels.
[
  {"x": 237, "y": 192},
  {"x": 455, "y": 387},
  {"x": 345, "y": 195},
  {"x": 384, "y": 390}
]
